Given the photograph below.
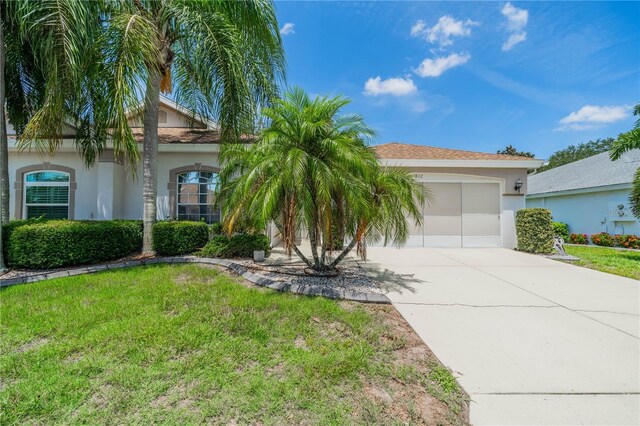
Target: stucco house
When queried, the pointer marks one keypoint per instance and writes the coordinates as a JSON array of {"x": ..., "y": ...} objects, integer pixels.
[
  {"x": 590, "y": 195},
  {"x": 474, "y": 195}
]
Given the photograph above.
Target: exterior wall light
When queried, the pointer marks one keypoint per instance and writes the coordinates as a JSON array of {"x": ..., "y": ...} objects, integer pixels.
[{"x": 518, "y": 185}]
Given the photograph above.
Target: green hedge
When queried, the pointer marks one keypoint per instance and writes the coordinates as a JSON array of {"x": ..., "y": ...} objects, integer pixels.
[
  {"x": 181, "y": 237},
  {"x": 561, "y": 230},
  {"x": 55, "y": 243},
  {"x": 241, "y": 245},
  {"x": 534, "y": 230}
]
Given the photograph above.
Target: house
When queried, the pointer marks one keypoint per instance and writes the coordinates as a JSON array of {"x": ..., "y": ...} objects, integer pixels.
[
  {"x": 473, "y": 195},
  {"x": 590, "y": 195}
]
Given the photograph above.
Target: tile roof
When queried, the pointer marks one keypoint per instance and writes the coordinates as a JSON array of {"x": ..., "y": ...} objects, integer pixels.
[
  {"x": 177, "y": 135},
  {"x": 395, "y": 150},
  {"x": 591, "y": 172}
]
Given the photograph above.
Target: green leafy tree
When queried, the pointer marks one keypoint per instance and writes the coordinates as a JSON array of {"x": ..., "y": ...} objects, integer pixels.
[
  {"x": 310, "y": 168},
  {"x": 221, "y": 60},
  {"x": 626, "y": 142},
  {"x": 577, "y": 152},
  {"x": 511, "y": 150}
]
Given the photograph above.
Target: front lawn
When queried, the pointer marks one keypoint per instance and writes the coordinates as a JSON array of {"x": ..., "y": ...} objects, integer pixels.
[
  {"x": 184, "y": 344},
  {"x": 605, "y": 259}
]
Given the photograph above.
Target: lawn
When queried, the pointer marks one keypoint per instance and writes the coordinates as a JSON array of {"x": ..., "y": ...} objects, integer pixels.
[
  {"x": 618, "y": 262},
  {"x": 184, "y": 344}
]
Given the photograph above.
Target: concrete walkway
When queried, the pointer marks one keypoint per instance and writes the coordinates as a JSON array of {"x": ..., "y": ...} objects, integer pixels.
[{"x": 533, "y": 341}]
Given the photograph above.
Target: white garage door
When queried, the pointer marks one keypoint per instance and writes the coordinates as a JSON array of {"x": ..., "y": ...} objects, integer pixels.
[{"x": 459, "y": 215}]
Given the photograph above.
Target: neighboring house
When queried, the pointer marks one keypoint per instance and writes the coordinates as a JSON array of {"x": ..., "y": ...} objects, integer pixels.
[
  {"x": 591, "y": 195},
  {"x": 474, "y": 194}
]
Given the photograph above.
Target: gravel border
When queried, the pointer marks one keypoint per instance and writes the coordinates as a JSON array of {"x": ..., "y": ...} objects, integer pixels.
[{"x": 245, "y": 272}]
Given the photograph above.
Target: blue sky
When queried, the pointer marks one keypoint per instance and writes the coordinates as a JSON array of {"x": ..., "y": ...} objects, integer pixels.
[{"x": 472, "y": 75}]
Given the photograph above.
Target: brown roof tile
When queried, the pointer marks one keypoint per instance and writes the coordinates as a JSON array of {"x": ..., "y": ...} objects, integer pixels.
[
  {"x": 167, "y": 135},
  {"x": 395, "y": 150}
]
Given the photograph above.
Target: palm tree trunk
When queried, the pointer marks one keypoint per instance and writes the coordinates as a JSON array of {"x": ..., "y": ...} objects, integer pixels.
[
  {"x": 4, "y": 152},
  {"x": 150, "y": 157},
  {"x": 344, "y": 253}
]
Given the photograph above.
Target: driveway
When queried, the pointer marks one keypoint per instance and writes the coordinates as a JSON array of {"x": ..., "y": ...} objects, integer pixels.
[{"x": 532, "y": 340}]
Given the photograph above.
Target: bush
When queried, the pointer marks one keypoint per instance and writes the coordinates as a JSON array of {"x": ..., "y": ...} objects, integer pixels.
[
  {"x": 578, "y": 239},
  {"x": 215, "y": 229},
  {"x": 602, "y": 239},
  {"x": 534, "y": 230},
  {"x": 179, "y": 237},
  {"x": 241, "y": 245},
  {"x": 561, "y": 230},
  {"x": 627, "y": 241},
  {"x": 38, "y": 244}
]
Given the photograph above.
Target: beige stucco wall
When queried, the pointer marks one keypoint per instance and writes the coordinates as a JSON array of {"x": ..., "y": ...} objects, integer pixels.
[{"x": 508, "y": 176}]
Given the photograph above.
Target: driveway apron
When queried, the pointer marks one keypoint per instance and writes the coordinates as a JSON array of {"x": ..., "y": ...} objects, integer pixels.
[{"x": 533, "y": 341}]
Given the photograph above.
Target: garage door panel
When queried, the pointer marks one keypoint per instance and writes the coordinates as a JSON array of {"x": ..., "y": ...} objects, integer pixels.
[
  {"x": 446, "y": 199},
  {"x": 443, "y": 225},
  {"x": 480, "y": 225},
  {"x": 480, "y": 198}
]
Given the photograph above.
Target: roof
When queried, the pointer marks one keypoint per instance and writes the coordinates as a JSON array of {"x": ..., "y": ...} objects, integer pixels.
[
  {"x": 592, "y": 172},
  {"x": 181, "y": 135},
  {"x": 395, "y": 150}
]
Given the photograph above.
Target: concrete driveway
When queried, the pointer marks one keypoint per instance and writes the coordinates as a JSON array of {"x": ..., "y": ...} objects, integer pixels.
[{"x": 533, "y": 341}]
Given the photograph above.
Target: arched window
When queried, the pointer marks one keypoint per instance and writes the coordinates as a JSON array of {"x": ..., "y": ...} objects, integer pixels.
[
  {"x": 46, "y": 193},
  {"x": 196, "y": 195},
  {"x": 162, "y": 116}
]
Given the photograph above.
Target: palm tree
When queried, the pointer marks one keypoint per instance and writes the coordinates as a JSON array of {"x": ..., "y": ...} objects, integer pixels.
[
  {"x": 626, "y": 142},
  {"x": 220, "y": 59},
  {"x": 310, "y": 168},
  {"x": 45, "y": 67}
]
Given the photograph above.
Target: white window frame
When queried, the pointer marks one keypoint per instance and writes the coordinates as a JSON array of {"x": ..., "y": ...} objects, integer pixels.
[
  {"x": 178, "y": 183},
  {"x": 26, "y": 184}
]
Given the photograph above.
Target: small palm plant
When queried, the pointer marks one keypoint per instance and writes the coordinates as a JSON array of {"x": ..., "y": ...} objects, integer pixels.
[{"x": 312, "y": 169}]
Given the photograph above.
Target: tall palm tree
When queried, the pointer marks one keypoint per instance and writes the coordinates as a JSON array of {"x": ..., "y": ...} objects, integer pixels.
[
  {"x": 221, "y": 60},
  {"x": 626, "y": 142},
  {"x": 310, "y": 168},
  {"x": 47, "y": 52}
]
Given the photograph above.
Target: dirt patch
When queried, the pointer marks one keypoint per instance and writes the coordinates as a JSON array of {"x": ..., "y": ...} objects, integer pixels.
[
  {"x": 32, "y": 345},
  {"x": 176, "y": 397},
  {"x": 412, "y": 394}
]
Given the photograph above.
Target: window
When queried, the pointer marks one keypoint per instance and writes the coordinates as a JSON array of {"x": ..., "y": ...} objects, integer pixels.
[
  {"x": 196, "y": 195},
  {"x": 46, "y": 194},
  {"x": 162, "y": 116}
]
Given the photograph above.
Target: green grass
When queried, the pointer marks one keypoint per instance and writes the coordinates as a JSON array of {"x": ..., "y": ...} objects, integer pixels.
[
  {"x": 618, "y": 262},
  {"x": 190, "y": 345}
]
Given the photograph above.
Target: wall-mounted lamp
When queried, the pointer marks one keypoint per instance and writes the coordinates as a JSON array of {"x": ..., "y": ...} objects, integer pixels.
[{"x": 518, "y": 185}]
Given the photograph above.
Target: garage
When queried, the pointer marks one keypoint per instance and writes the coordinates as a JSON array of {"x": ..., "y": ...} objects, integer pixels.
[
  {"x": 473, "y": 196},
  {"x": 459, "y": 214}
]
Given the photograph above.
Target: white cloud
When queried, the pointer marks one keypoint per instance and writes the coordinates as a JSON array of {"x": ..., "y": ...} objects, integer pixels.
[
  {"x": 435, "y": 67},
  {"x": 593, "y": 116},
  {"x": 516, "y": 23},
  {"x": 392, "y": 86},
  {"x": 288, "y": 28},
  {"x": 442, "y": 32}
]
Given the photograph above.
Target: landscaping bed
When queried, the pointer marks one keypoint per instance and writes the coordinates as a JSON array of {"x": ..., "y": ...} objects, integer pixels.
[
  {"x": 189, "y": 344},
  {"x": 625, "y": 263}
]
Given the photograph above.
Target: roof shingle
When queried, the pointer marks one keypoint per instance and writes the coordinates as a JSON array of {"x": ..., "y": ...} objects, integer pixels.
[
  {"x": 591, "y": 172},
  {"x": 395, "y": 150}
]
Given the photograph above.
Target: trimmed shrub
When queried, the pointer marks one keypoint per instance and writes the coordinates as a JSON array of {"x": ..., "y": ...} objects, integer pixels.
[
  {"x": 561, "y": 229},
  {"x": 602, "y": 239},
  {"x": 215, "y": 229},
  {"x": 179, "y": 237},
  {"x": 627, "y": 241},
  {"x": 578, "y": 239},
  {"x": 241, "y": 245},
  {"x": 534, "y": 230},
  {"x": 55, "y": 243}
]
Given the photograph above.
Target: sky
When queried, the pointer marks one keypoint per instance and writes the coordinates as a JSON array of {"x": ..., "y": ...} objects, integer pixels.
[{"x": 472, "y": 75}]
